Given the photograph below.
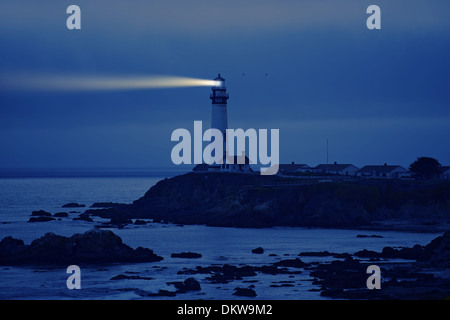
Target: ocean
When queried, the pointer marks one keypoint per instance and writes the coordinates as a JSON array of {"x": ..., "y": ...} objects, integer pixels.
[{"x": 25, "y": 191}]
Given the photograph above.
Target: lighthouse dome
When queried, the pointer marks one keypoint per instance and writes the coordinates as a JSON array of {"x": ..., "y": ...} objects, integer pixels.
[{"x": 219, "y": 78}]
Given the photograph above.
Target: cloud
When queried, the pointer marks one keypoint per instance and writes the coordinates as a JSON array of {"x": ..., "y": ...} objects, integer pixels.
[
  {"x": 329, "y": 77},
  {"x": 214, "y": 17}
]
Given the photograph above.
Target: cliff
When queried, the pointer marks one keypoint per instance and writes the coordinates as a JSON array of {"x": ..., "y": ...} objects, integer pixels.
[{"x": 241, "y": 200}]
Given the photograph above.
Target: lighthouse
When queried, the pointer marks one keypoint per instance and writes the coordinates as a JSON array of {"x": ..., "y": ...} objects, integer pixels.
[
  {"x": 219, "y": 99},
  {"x": 219, "y": 121}
]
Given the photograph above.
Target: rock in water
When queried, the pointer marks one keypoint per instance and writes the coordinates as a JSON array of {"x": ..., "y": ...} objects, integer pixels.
[
  {"x": 258, "y": 250},
  {"x": 94, "y": 246},
  {"x": 437, "y": 252},
  {"x": 107, "y": 205},
  {"x": 61, "y": 215},
  {"x": 244, "y": 292},
  {"x": 11, "y": 247},
  {"x": 82, "y": 217},
  {"x": 190, "y": 284},
  {"x": 188, "y": 255},
  {"x": 73, "y": 205},
  {"x": 40, "y": 219},
  {"x": 132, "y": 277},
  {"x": 293, "y": 263},
  {"x": 41, "y": 213}
]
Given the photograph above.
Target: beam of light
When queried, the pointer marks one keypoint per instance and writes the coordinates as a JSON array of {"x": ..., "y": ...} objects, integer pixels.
[{"x": 92, "y": 83}]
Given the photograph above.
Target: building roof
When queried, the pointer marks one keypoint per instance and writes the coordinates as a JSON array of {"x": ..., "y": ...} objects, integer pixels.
[
  {"x": 334, "y": 167},
  {"x": 380, "y": 168},
  {"x": 226, "y": 160},
  {"x": 292, "y": 167},
  {"x": 219, "y": 78},
  {"x": 443, "y": 169}
]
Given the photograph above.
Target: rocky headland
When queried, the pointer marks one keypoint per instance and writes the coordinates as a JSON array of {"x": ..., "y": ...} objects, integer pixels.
[{"x": 242, "y": 200}]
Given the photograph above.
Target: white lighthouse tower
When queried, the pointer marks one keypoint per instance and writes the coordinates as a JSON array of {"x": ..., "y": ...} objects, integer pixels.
[
  {"x": 219, "y": 120},
  {"x": 219, "y": 99}
]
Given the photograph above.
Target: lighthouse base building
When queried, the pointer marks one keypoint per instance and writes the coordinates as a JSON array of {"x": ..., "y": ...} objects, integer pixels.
[{"x": 226, "y": 167}]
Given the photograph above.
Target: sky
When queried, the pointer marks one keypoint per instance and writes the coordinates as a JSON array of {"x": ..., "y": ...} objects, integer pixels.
[{"x": 311, "y": 69}]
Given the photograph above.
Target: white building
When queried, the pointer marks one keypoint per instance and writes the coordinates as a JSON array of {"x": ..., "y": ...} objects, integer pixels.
[
  {"x": 383, "y": 171},
  {"x": 293, "y": 168},
  {"x": 337, "y": 168},
  {"x": 235, "y": 164}
]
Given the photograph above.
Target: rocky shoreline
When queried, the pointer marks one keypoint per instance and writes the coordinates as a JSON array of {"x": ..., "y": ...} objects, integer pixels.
[
  {"x": 423, "y": 272},
  {"x": 417, "y": 279},
  {"x": 233, "y": 200}
]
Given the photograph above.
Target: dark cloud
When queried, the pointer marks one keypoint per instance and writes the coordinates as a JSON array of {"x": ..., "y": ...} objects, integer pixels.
[{"x": 311, "y": 69}]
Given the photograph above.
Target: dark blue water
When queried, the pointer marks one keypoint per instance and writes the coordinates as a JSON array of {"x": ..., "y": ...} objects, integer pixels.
[{"x": 20, "y": 195}]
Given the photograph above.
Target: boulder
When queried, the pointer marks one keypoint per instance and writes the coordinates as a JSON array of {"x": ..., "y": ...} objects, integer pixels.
[
  {"x": 10, "y": 247},
  {"x": 339, "y": 275},
  {"x": 324, "y": 254},
  {"x": 84, "y": 217},
  {"x": 190, "y": 284},
  {"x": 41, "y": 213},
  {"x": 258, "y": 250},
  {"x": 367, "y": 254},
  {"x": 107, "y": 205},
  {"x": 95, "y": 246},
  {"x": 244, "y": 292},
  {"x": 188, "y": 255},
  {"x": 413, "y": 253},
  {"x": 73, "y": 205},
  {"x": 40, "y": 219},
  {"x": 388, "y": 252},
  {"x": 293, "y": 263},
  {"x": 61, "y": 215},
  {"x": 130, "y": 277},
  {"x": 437, "y": 252},
  {"x": 315, "y": 254}
]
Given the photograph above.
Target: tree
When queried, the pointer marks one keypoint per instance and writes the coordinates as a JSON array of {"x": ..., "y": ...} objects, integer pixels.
[{"x": 425, "y": 167}]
